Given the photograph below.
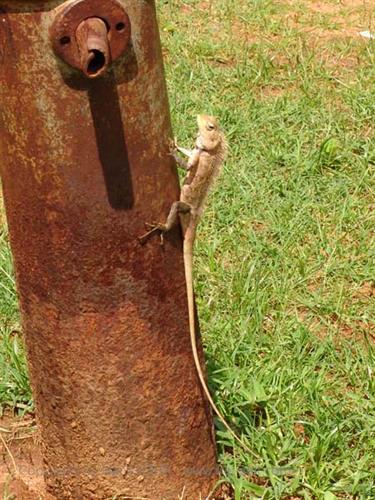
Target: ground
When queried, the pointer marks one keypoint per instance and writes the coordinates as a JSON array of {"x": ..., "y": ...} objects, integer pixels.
[
  {"x": 21, "y": 466},
  {"x": 285, "y": 268}
]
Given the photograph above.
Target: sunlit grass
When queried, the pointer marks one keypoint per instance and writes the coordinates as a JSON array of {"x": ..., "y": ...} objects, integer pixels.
[{"x": 285, "y": 262}]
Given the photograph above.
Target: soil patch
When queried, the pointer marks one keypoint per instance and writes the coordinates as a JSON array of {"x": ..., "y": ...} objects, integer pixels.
[{"x": 21, "y": 465}]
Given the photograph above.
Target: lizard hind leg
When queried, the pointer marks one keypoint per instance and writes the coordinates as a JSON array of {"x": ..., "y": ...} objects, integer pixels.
[{"x": 172, "y": 219}]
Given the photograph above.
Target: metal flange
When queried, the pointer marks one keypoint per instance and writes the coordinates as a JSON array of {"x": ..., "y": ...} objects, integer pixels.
[{"x": 65, "y": 34}]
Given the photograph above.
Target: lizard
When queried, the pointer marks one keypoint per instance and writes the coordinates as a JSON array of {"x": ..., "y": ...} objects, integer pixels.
[{"x": 203, "y": 167}]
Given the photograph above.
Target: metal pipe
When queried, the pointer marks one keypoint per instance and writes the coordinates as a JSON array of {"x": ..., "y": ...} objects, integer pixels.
[
  {"x": 84, "y": 163},
  {"x": 93, "y": 46}
]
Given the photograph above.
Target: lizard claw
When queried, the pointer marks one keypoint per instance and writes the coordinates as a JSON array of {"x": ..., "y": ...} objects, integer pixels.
[
  {"x": 172, "y": 146},
  {"x": 152, "y": 228}
]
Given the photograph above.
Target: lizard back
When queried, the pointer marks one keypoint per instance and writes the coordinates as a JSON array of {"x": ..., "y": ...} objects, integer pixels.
[{"x": 201, "y": 178}]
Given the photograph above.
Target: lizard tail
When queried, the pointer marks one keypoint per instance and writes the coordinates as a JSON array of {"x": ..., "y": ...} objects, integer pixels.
[{"x": 188, "y": 262}]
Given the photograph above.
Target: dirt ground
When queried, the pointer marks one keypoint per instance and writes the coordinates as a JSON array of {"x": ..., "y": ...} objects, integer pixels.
[
  {"x": 21, "y": 475},
  {"x": 21, "y": 463}
]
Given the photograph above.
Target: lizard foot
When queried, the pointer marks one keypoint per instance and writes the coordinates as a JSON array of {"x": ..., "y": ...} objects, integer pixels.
[
  {"x": 153, "y": 228},
  {"x": 172, "y": 145}
]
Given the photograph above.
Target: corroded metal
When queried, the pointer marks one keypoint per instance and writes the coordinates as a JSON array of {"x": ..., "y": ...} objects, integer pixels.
[
  {"x": 84, "y": 164},
  {"x": 93, "y": 47},
  {"x": 70, "y": 24}
]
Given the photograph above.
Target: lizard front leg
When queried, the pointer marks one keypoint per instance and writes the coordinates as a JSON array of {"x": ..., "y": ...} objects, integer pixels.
[
  {"x": 193, "y": 155},
  {"x": 180, "y": 161},
  {"x": 184, "y": 151},
  {"x": 178, "y": 207}
]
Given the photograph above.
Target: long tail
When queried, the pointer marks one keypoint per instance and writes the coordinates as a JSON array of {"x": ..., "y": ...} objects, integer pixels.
[{"x": 188, "y": 262}]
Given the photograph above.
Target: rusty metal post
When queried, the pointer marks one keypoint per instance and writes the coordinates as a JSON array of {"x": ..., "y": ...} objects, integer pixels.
[{"x": 84, "y": 163}]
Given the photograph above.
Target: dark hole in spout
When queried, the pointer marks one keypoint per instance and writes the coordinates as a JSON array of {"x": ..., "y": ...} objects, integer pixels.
[
  {"x": 96, "y": 63},
  {"x": 120, "y": 26},
  {"x": 64, "y": 40}
]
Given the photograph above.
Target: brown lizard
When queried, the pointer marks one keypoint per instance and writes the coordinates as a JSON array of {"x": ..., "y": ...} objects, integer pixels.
[{"x": 203, "y": 166}]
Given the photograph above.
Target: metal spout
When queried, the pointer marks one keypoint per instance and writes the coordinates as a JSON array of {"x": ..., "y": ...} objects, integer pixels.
[{"x": 93, "y": 46}]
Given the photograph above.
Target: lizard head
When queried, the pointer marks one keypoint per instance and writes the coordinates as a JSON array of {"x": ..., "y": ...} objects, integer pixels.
[{"x": 209, "y": 135}]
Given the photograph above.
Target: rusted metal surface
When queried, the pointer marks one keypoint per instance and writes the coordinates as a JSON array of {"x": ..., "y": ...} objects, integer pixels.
[
  {"x": 84, "y": 164},
  {"x": 68, "y": 31}
]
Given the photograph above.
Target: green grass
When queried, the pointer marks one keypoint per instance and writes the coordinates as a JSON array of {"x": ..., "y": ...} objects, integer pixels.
[
  {"x": 285, "y": 265},
  {"x": 14, "y": 385}
]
